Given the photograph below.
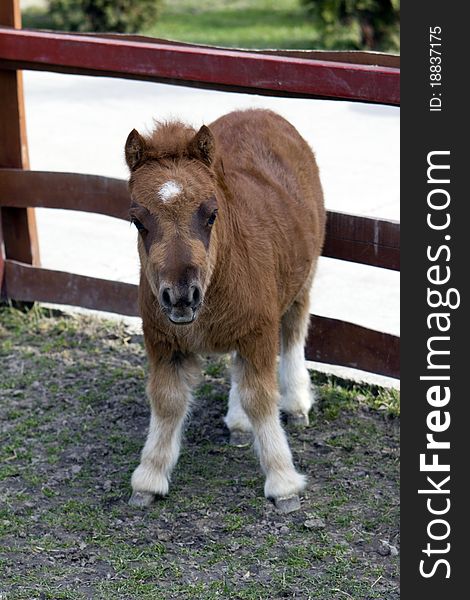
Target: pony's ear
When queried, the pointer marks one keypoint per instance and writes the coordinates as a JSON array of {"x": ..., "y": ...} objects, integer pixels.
[
  {"x": 202, "y": 146},
  {"x": 135, "y": 149}
]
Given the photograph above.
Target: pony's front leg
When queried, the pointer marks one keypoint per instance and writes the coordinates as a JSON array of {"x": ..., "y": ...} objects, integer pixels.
[
  {"x": 259, "y": 397},
  {"x": 169, "y": 392}
]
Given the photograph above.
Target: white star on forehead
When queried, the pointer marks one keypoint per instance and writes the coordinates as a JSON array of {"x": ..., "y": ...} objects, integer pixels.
[{"x": 168, "y": 191}]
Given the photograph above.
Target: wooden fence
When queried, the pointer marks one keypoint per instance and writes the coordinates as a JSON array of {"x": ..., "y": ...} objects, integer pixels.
[{"x": 359, "y": 76}]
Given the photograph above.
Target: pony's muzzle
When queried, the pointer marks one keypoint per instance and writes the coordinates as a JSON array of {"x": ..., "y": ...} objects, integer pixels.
[{"x": 180, "y": 302}]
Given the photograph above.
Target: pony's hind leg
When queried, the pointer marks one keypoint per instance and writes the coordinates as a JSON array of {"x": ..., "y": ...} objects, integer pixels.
[
  {"x": 296, "y": 391},
  {"x": 169, "y": 392},
  {"x": 236, "y": 418}
]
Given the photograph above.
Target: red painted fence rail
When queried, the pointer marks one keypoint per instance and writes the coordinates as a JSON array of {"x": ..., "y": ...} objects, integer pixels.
[{"x": 213, "y": 67}]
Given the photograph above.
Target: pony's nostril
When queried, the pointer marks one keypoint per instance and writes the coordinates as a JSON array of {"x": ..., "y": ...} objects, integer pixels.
[
  {"x": 166, "y": 298},
  {"x": 196, "y": 297}
]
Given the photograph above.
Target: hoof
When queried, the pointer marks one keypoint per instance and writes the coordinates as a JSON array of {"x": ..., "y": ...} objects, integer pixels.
[
  {"x": 287, "y": 505},
  {"x": 298, "y": 420},
  {"x": 240, "y": 438},
  {"x": 141, "y": 499}
]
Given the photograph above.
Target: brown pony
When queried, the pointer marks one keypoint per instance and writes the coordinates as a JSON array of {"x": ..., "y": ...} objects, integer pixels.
[{"x": 231, "y": 223}]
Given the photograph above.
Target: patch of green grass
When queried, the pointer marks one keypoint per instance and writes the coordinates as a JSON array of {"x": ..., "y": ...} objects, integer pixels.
[
  {"x": 216, "y": 368},
  {"x": 352, "y": 439},
  {"x": 231, "y": 23},
  {"x": 337, "y": 395},
  {"x": 242, "y": 24},
  {"x": 233, "y": 522},
  {"x": 387, "y": 400},
  {"x": 48, "y": 492}
]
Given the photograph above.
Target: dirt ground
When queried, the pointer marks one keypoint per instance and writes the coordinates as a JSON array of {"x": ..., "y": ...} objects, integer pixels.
[{"x": 73, "y": 420}]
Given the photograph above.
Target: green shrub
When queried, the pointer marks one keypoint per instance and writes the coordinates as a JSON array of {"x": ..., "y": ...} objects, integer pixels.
[
  {"x": 122, "y": 16},
  {"x": 370, "y": 24}
]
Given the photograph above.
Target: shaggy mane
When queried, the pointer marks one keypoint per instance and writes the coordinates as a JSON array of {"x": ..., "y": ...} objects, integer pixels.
[{"x": 169, "y": 139}]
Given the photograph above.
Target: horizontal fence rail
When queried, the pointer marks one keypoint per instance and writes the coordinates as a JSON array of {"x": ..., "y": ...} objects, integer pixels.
[
  {"x": 28, "y": 284},
  {"x": 365, "y": 240},
  {"x": 232, "y": 70},
  {"x": 358, "y": 57},
  {"x": 340, "y": 343},
  {"x": 73, "y": 191}
]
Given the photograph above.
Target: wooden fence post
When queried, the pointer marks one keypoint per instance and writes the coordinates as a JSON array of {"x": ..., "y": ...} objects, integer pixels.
[{"x": 18, "y": 224}]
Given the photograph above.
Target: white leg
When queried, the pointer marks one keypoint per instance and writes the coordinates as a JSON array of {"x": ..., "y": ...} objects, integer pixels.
[
  {"x": 236, "y": 418},
  {"x": 282, "y": 480},
  {"x": 170, "y": 396},
  {"x": 159, "y": 456},
  {"x": 259, "y": 398},
  {"x": 296, "y": 391}
]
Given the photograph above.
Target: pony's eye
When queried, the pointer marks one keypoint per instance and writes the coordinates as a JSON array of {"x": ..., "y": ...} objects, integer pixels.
[
  {"x": 211, "y": 219},
  {"x": 139, "y": 225}
]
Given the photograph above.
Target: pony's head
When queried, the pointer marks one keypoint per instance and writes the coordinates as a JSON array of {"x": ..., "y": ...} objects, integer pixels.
[{"x": 174, "y": 208}]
